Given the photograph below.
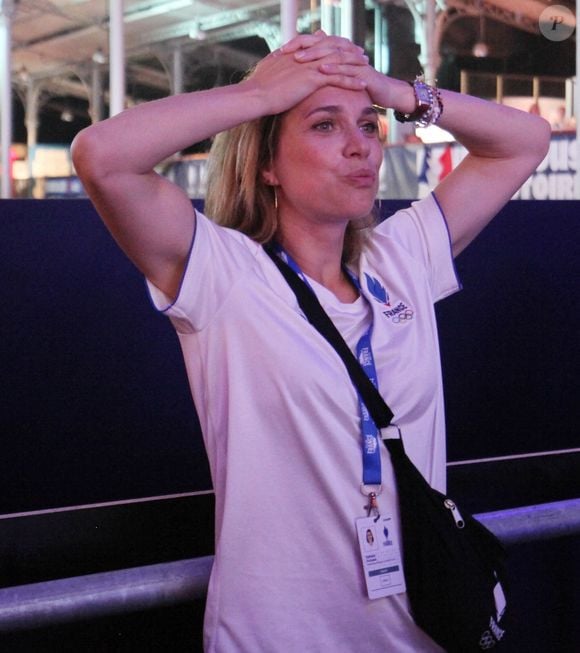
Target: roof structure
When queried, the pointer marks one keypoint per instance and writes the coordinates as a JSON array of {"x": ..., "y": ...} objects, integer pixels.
[{"x": 57, "y": 44}]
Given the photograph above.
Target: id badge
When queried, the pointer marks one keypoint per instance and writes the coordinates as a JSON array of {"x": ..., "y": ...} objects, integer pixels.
[{"x": 381, "y": 557}]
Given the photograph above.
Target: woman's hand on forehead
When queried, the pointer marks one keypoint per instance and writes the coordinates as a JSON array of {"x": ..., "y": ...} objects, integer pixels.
[
  {"x": 312, "y": 47},
  {"x": 346, "y": 65},
  {"x": 344, "y": 62},
  {"x": 288, "y": 75}
]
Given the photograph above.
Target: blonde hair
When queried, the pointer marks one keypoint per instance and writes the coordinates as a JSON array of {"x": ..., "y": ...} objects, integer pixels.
[{"x": 238, "y": 196}]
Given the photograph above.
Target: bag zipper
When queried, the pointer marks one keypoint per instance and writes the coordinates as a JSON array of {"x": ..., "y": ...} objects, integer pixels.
[{"x": 454, "y": 510}]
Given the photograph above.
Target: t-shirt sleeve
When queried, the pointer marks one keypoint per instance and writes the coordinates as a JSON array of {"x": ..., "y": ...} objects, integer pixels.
[
  {"x": 218, "y": 259},
  {"x": 422, "y": 231}
]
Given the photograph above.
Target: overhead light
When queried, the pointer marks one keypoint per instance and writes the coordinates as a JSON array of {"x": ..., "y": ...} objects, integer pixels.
[
  {"x": 67, "y": 115},
  {"x": 23, "y": 74},
  {"x": 99, "y": 56},
  {"x": 481, "y": 49},
  {"x": 196, "y": 33}
]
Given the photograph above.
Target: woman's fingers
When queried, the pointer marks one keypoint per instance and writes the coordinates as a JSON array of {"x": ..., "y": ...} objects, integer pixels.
[
  {"x": 348, "y": 82},
  {"x": 302, "y": 41},
  {"x": 310, "y": 47},
  {"x": 343, "y": 75},
  {"x": 326, "y": 49},
  {"x": 286, "y": 79},
  {"x": 339, "y": 57}
]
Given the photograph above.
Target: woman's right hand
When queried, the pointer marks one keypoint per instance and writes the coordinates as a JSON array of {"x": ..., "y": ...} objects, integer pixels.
[
  {"x": 150, "y": 217},
  {"x": 290, "y": 74}
]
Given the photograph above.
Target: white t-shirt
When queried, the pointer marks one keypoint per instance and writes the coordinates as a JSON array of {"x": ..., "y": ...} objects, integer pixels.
[{"x": 280, "y": 419}]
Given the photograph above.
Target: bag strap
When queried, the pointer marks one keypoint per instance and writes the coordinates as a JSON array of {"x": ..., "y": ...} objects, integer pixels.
[{"x": 316, "y": 315}]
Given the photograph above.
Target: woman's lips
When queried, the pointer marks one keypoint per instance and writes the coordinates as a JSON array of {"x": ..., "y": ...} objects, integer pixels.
[{"x": 362, "y": 178}]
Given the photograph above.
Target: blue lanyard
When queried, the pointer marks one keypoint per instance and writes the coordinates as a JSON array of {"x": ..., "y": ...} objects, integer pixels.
[{"x": 371, "y": 452}]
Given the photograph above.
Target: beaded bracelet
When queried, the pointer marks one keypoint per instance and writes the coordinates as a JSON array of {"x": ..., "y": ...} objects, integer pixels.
[
  {"x": 429, "y": 108},
  {"x": 432, "y": 116}
]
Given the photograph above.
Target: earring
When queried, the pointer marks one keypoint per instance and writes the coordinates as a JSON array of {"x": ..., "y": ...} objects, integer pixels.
[{"x": 275, "y": 199}]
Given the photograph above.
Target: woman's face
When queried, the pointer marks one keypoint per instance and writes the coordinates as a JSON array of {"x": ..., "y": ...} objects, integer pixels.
[{"x": 328, "y": 157}]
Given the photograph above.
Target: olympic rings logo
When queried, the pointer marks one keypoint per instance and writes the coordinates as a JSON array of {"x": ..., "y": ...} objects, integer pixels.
[{"x": 403, "y": 316}]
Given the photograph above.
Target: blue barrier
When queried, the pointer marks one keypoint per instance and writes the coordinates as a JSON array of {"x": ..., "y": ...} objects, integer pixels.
[
  {"x": 95, "y": 406},
  {"x": 93, "y": 378}
]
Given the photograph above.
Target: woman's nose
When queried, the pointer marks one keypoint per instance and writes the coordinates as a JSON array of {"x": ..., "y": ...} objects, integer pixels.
[{"x": 357, "y": 142}]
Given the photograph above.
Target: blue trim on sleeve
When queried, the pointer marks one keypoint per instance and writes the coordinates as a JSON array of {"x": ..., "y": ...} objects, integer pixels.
[
  {"x": 169, "y": 306},
  {"x": 459, "y": 284}
]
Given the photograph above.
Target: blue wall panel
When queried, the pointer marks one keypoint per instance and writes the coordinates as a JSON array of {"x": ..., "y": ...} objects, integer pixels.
[{"x": 95, "y": 405}]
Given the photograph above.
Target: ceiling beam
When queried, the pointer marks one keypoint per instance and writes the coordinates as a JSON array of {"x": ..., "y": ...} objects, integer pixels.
[{"x": 523, "y": 15}]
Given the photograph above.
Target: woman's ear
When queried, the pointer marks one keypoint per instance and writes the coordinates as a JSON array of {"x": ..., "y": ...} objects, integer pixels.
[{"x": 269, "y": 176}]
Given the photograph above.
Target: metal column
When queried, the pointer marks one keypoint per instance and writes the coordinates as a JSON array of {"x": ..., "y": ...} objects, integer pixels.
[
  {"x": 288, "y": 19},
  {"x": 577, "y": 106},
  {"x": 327, "y": 16},
  {"x": 116, "y": 58},
  {"x": 96, "y": 103},
  {"x": 431, "y": 55},
  {"x": 31, "y": 119},
  {"x": 426, "y": 34},
  {"x": 347, "y": 19},
  {"x": 6, "y": 9},
  {"x": 381, "y": 42},
  {"x": 177, "y": 71}
]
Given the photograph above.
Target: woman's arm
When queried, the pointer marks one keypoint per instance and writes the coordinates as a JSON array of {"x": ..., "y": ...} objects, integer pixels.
[
  {"x": 504, "y": 148},
  {"x": 150, "y": 217}
]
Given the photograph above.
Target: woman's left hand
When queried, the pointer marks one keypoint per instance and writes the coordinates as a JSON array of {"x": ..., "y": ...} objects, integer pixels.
[
  {"x": 339, "y": 56},
  {"x": 312, "y": 47}
]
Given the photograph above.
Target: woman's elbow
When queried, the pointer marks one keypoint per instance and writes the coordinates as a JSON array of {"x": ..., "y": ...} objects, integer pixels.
[
  {"x": 541, "y": 138},
  {"x": 87, "y": 156},
  {"x": 533, "y": 144}
]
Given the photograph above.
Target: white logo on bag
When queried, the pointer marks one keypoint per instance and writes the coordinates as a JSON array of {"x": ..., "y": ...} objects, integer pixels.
[
  {"x": 487, "y": 641},
  {"x": 492, "y": 636}
]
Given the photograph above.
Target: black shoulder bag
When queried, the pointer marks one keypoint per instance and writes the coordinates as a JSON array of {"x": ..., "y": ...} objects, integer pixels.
[{"x": 454, "y": 567}]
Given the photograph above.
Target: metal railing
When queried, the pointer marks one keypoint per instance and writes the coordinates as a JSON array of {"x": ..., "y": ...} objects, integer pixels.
[
  {"x": 499, "y": 85},
  {"x": 81, "y": 598}
]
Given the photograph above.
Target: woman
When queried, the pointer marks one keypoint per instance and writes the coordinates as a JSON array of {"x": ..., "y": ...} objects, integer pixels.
[{"x": 281, "y": 420}]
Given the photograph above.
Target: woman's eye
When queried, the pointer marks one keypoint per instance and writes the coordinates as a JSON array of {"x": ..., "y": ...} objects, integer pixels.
[
  {"x": 324, "y": 126},
  {"x": 370, "y": 127}
]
